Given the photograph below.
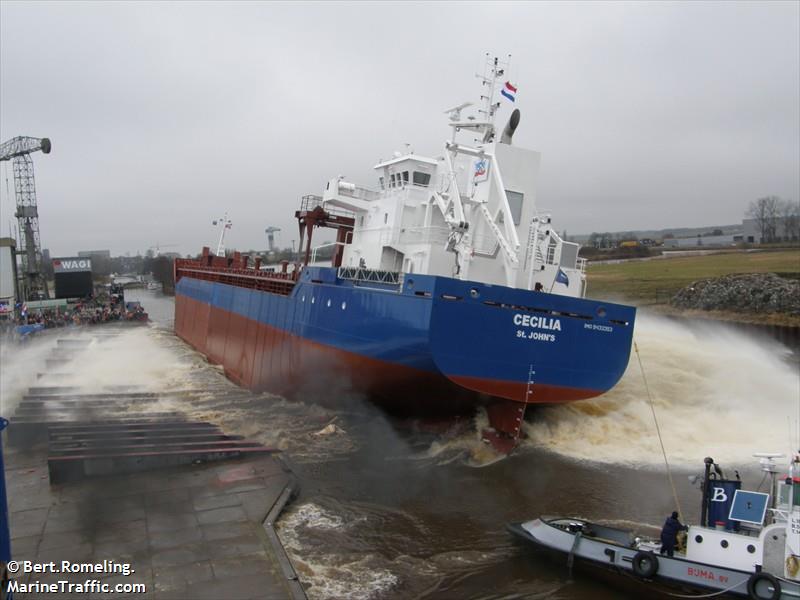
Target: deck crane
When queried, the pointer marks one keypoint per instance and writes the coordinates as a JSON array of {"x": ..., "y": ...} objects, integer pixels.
[{"x": 19, "y": 150}]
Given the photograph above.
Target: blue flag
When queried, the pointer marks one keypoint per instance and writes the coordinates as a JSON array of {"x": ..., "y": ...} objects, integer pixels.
[{"x": 561, "y": 277}]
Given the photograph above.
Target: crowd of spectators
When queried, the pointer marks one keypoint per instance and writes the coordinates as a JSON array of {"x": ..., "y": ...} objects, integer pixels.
[{"x": 89, "y": 311}]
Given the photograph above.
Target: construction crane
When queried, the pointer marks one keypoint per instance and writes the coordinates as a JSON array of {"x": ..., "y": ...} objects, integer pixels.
[
  {"x": 19, "y": 150},
  {"x": 271, "y": 231},
  {"x": 158, "y": 247}
]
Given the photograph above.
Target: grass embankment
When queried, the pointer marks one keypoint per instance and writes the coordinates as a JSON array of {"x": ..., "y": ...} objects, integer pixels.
[{"x": 653, "y": 282}]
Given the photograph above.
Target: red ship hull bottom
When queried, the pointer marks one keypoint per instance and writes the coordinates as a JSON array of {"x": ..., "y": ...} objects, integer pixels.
[{"x": 264, "y": 358}]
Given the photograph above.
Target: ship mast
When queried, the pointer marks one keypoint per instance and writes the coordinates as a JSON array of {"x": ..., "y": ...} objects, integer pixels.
[
  {"x": 493, "y": 71},
  {"x": 492, "y": 74}
]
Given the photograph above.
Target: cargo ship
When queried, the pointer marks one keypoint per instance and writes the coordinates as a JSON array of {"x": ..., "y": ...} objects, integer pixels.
[{"x": 447, "y": 290}]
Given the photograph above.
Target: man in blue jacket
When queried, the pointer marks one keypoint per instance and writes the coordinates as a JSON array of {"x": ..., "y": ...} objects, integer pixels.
[{"x": 669, "y": 533}]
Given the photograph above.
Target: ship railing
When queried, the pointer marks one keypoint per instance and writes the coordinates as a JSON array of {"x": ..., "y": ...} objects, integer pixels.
[
  {"x": 358, "y": 192},
  {"x": 349, "y": 236},
  {"x": 410, "y": 185},
  {"x": 555, "y": 250},
  {"x": 362, "y": 274},
  {"x": 191, "y": 266},
  {"x": 311, "y": 201},
  {"x": 266, "y": 281}
]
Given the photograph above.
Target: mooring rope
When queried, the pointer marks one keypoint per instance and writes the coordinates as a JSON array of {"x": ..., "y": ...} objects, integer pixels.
[
  {"x": 658, "y": 429},
  {"x": 571, "y": 555}
]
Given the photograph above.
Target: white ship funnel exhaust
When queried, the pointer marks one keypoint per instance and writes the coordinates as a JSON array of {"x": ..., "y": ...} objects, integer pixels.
[{"x": 511, "y": 127}]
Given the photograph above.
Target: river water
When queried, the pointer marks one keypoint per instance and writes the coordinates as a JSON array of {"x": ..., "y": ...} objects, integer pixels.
[{"x": 400, "y": 510}]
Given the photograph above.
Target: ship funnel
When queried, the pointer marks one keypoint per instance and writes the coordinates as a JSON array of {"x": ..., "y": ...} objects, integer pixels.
[{"x": 511, "y": 126}]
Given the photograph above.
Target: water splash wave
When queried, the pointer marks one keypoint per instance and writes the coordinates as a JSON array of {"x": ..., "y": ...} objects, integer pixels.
[{"x": 715, "y": 390}]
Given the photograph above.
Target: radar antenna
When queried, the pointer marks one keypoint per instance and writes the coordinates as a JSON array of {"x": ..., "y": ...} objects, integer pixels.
[{"x": 455, "y": 112}]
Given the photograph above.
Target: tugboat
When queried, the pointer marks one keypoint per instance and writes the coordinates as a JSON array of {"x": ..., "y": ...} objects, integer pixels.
[{"x": 747, "y": 543}]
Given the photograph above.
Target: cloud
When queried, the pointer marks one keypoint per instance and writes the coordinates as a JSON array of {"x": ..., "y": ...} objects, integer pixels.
[{"x": 163, "y": 116}]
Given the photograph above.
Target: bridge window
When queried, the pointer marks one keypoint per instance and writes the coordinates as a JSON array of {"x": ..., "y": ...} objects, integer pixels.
[
  {"x": 421, "y": 178},
  {"x": 515, "y": 203},
  {"x": 391, "y": 180},
  {"x": 405, "y": 177},
  {"x": 380, "y": 179}
]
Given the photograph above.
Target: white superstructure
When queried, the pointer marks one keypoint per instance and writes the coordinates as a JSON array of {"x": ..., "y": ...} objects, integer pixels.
[{"x": 469, "y": 214}]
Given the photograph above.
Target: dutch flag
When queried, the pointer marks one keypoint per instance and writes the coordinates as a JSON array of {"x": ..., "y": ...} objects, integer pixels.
[{"x": 509, "y": 91}]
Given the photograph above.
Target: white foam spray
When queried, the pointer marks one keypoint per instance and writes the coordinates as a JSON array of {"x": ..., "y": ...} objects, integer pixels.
[
  {"x": 716, "y": 391},
  {"x": 108, "y": 357},
  {"x": 19, "y": 366},
  {"x": 465, "y": 447},
  {"x": 331, "y": 574},
  {"x": 133, "y": 357}
]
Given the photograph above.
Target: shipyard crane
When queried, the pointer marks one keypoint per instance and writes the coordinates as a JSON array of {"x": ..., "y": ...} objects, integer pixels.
[
  {"x": 271, "y": 231},
  {"x": 19, "y": 150},
  {"x": 158, "y": 247}
]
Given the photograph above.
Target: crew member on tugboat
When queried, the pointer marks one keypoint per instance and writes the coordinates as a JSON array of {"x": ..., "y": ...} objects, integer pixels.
[{"x": 669, "y": 533}]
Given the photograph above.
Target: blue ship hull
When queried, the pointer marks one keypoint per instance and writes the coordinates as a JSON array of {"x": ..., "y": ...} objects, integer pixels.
[{"x": 425, "y": 344}]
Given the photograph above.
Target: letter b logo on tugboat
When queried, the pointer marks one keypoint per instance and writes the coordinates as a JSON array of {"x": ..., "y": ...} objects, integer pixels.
[{"x": 719, "y": 495}]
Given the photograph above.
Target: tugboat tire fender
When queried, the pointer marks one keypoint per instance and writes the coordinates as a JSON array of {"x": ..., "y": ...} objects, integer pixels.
[
  {"x": 758, "y": 591},
  {"x": 645, "y": 564}
]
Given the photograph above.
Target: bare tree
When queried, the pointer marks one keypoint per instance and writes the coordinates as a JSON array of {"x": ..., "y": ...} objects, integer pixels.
[
  {"x": 790, "y": 215},
  {"x": 765, "y": 212}
]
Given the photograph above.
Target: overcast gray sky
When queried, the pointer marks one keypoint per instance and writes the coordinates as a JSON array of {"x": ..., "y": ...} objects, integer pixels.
[{"x": 163, "y": 116}]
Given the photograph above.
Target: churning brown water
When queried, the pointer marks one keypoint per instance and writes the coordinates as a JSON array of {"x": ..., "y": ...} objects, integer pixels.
[{"x": 388, "y": 510}]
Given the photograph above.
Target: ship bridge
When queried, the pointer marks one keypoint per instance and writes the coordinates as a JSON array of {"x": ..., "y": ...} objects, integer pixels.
[{"x": 408, "y": 169}]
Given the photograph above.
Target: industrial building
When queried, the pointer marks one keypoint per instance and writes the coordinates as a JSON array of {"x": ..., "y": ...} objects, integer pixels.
[{"x": 8, "y": 276}]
